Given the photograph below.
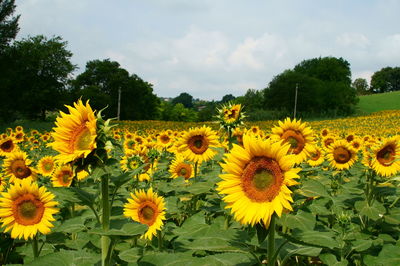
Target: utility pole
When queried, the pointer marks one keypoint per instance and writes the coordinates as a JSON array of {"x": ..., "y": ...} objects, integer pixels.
[
  {"x": 119, "y": 104},
  {"x": 295, "y": 100}
]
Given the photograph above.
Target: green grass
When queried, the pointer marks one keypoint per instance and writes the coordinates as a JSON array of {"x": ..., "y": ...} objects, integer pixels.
[{"x": 378, "y": 102}]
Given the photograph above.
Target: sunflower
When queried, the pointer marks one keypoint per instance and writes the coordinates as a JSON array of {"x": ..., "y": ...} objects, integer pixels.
[
  {"x": 328, "y": 140},
  {"x": 62, "y": 176},
  {"x": 179, "y": 168},
  {"x": 2, "y": 182},
  {"x": 341, "y": 155},
  {"x": 19, "y": 137},
  {"x": 298, "y": 135},
  {"x": 81, "y": 175},
  {"x": 146, "y": 208},
  {"x": 26, "y": 209},
  {"x": 257, "y": 179},
  {"x": 75, "y": 133},
  {"x": 130, "y": 162},
  {"x": 46, "y": 165},
  {"x": 164, "y": 140},
  {"x": 17, "y": 166},
  {"x": 197, "y": 144},
  {"x": 7, "y": 146},
  {"x": 385, "y": 159},
  {"x": 324, "y": 132},
  {"x": 317, "y": 156}
]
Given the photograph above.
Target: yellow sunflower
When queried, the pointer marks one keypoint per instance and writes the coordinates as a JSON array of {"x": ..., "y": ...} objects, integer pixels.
[
  {"x": 146, "y": 208},
  {"x": 197, "y": 144},
  {"x": 341, "y": 155},
  {"x": 62, "y": 176},
  {"x": 7, "y": 146},
  {"x": 2, "y": 182},
  {"x": 19, "y": 137},
  {"x": 231, "y": 113},
  {"x": 317, "y": 156},
  {"x": 164, "y": 140},
  {"x": 81, "y": 175},
  {"x": 75, "y": 133},
  {"x": 17, "y": 166},
  {"x": 385, "y": 160},
  {"x": 257, "y": 179},
  {"x": 298, "y": 135},
  {"x": 46, "y": 165},
  {"x": 181, "y": 168},
  {"x": 328, "y": 140},
  {"x": 26, "y": 209}
]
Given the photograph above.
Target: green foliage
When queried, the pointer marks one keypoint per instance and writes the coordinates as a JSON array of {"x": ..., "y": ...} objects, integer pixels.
[
  {"x": 185, "y": 99},
  {"x": 361, "y": 86},
  {"x": 385, "y": 80},
  {"x": 227, "y": 98},
  {"x": 8, "y": 23},
  {"x": 378, "y": 102}
]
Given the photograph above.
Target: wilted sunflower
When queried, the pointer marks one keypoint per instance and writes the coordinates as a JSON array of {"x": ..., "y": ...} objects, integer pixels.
[
  {"x": 317, "y": 156},
  {"x": 26, "y": 209},
  {"x": 17, "y": 166},
  {"x": 75, "y": 133},
  {"x": 46, "y": 165},
  {"x": 385, "y": 159},
  {"x": 298, "y": 135},
  {"x": 62, "y": 176},
  {"x": 341, "y": 155},
  {"x": 181, "y": 168},
  {"x": 146, "y": 208},
  {"x": 257, "y": 179},
  {"x": 197, "y": 144},
  {"x": 7, "y": 146}
]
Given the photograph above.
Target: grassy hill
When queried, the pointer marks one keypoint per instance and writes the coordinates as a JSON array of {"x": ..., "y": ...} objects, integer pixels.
[{"x": 378, "y": 102}]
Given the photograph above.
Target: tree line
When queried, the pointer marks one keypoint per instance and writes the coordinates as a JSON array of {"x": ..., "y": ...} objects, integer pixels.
[{"x": 37, "y": 77}]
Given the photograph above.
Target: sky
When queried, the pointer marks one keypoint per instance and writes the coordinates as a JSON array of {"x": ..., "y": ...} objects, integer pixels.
[{"x": 210, "y": 48}]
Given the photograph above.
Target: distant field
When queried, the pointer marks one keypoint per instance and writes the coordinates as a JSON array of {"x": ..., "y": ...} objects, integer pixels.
[{"x": 379, "y": 102}]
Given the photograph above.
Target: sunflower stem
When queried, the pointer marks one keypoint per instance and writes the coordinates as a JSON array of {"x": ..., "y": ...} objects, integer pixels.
[
  {"x": 195, "y": 169},
  {"x": 105, "y": 240},
  {"x": 35, "y": 247},
  {"x": 160, "y": 240},
  {"x": 271, "y": 242}
]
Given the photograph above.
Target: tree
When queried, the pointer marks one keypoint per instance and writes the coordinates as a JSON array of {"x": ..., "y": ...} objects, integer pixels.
[
  {"x": 361, "y": 86},
  {"x": 8, "y": 23},
  {"x": 184, "y": 98},
  {"x": 385, "y": 80},
  {"x": 227, "y": 98},
  {"x": 252, "y": 100},
  {"x": 37, "y": 71},
  {"x": 101, "y": 83}
]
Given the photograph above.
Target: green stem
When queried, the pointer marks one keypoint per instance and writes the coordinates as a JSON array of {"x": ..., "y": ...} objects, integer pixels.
[
  {"x": 229, "y": 139},
  {"x": 271, "y": 242},
  {"x": 195, "y": 169},
  {"x": 371, "y": 189},
  {"x": 160, "y": 240},
  {"x": 35, "y": 247},
  {"x": 105, "y": 240}
]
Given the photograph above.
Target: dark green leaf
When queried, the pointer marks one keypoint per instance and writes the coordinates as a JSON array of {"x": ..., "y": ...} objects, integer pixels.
[{"x": 313, "y": 188}]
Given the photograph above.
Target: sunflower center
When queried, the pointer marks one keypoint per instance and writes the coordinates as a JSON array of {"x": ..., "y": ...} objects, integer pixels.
[
  {"x": 165, "y": 139},
  {"x": 84, "y": 140},
  {"x": 65, "y": 177},
  {"x": 27, "y": 210},
  {"x": 184, "y": 171},
  {"x": 341, "y": 155},
  {"x": 295, "y": 139},
  {"x": 148, "y": 213},
  {"x": 20, "y": 170},
  {"x": 262, "y": 179},
  {"x": 315, "y": 155},
  {"x": 328, "y": 142},
  {"x": 386, "y": 155},
  {"x": 198, "y": 144},
  {"x": 7, "y": 146},
  {"x": 48, "y": 166}
]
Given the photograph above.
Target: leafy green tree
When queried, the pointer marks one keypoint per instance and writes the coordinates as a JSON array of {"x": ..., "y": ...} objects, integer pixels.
[
  {"x": 361, "y": 86},
  {"x": 184, "y": 98},
  {"x": 385, "y": 80},
  {"x": 8, "y": 23},
  {"x": 103, "y": 81},
  {"x": 252, "y": 100},
  {"x": 227, "y": 98},
  {"x": 36, "y": 72}
]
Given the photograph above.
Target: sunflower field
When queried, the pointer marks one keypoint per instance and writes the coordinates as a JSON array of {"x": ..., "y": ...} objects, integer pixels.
[{"x": 98, "y": 192}]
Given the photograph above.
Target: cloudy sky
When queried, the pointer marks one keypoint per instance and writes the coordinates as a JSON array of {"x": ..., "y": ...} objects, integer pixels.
[{"x": 210, "y": 48}]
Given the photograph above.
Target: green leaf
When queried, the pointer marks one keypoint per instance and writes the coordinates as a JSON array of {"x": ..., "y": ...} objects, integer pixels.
[
  {"x": 217, "y": 244},
  {"x": 122, "y": 228},
  {"x": 302, "y": 220},
  {"x": 306, "y": 251},
  {"x": 373, "y": 212},
  {"x": 331, "y": 260},
  {"x": 72, "y": 225},
  {"x": 166, "y": 259},
  {"x": 393, "y": 217},
  {"x": 389, "y": 255},
  {"x": 66, "y": 258},
  {"x": 224, "y": 259},
  {"x": 312, "y": 238},
  {"x": 361, "y": 244},
  {"x": 64, "y": 194},
  {"x": 130, "y": 255},
  {"x": 313, "y": 188},
  {"x": 84, "y": 197},
  {"x": 262, "y": 232}
]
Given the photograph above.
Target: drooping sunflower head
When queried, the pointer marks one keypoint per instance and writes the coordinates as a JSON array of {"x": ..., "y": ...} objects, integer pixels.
[
  {"x": 256, "y": 180},
  {"x": 297, "y": 134},
  {"x": 197, "y": 144},
  {"x": 341, "y": 155},
  {"x": 7, "y": 146},
  {"x": 26, "y": 209},
  {"x": 62, "y": 176},
  {"x": 46, "y": 165},
  {"x": 17, "y": 166},
  {"x": 146, "y": 208},
  {"x": 180, "y": 168},
  {"x": 385, "y": 159},
  {"x": 75, "y": 133},
  {"x": 316, "y": 156}
]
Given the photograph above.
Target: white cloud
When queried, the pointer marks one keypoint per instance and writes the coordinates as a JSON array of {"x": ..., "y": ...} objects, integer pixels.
[{"x": 352, "y": 39}]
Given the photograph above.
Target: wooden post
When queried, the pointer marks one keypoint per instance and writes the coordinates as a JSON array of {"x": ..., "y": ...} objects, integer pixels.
[{"x": 295, "y": 101}]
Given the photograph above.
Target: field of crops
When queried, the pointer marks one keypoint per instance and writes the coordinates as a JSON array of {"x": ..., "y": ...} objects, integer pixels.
[{"x": 95, "y": 192}]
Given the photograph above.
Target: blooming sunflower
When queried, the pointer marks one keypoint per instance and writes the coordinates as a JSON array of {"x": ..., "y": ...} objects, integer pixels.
[
  {"x": 26, "y": 209},
  {"x": 317, "y": 156},
  {"x": 2, "y": 182},
  {"x": 179, "y": 168},
  {"x": 19, "y": 137},
  {"x": 298, "y": 135},
  {"x": 7, "y": 146},
  {"x": 257, "y": 179},
  {"x": 75, "y": 133},
  {"x": 164, "y": 140},
  {"x": 146, "y": 208},
  {"x": 341, "y": 155},
  {"x": 328, "y": 140},
  {"x": 197, "y": 144},
  {"x": 385, "y": 159},
  {"x": 46, "y": 165},
  {"x": 62, "y": 176},
  {"x": 17, "y": 166}
]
